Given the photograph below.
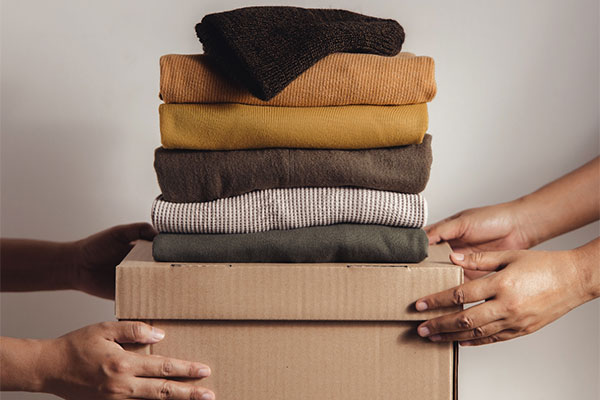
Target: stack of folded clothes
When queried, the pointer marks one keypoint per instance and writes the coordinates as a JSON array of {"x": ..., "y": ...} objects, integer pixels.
[{"x": 299, "y": 136}]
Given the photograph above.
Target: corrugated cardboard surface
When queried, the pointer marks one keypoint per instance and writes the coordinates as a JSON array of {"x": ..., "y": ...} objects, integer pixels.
[
  {"x": 313, "y": 360},
  {"x": 296, "y": 331},
  {"x": 382, "y": 292}
]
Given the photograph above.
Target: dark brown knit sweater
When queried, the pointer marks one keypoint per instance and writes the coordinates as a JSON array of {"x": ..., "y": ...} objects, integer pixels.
[{"x": 266, "y": 48}]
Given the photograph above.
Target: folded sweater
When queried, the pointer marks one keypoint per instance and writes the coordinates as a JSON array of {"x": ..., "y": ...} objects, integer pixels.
[
  {"x": 266, "y": 48},
  {"x": 187, "y": 176},
  {"x": 321, "y": 244},
  {"x": 239, "y": 126},
  {"x": 338, "y": 79},
  {"x": 281, "y": 209}
]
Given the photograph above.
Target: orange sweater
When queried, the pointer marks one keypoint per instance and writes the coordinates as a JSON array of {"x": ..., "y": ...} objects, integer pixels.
[{"x": 338, "y": 79}]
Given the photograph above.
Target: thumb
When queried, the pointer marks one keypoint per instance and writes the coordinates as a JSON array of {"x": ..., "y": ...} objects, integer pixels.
[
  {"x": 133, "y": 232},
  {"x": 445, "y": 230},
  {"x": 135, "y": 332},
  {"x": 485, "y": 261}
]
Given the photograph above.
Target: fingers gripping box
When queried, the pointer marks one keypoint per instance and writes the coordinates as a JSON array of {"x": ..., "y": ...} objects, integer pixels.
[{"x": 296, "y": 331}]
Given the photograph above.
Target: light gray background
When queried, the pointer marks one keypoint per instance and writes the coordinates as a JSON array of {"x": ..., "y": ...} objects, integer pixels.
[{"x": 517, "y": 106}]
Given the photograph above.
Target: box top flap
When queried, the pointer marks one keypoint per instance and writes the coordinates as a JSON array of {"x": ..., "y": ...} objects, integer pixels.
[{"x": 336, "y": 291}]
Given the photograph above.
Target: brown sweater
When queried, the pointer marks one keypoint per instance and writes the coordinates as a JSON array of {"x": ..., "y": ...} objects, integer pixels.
[
  {"x": 197, "y": 176},
  {"x": 338, "y": 79}
]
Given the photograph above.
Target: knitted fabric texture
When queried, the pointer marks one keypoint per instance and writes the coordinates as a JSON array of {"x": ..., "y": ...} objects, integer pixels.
[
  {"x": 320, "y": 244},
  {"x": 338, "y": 79},
  {"x": 280, "y": 209},
  {"x": 187, "y": 176},
  {"x": 266, "y": 48},
  {"x": 240, "y": 126}
]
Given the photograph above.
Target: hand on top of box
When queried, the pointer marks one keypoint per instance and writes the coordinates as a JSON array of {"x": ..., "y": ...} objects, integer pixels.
[
  {"x": 97, "y": 256},
  {"x": 491, "y": 228}
]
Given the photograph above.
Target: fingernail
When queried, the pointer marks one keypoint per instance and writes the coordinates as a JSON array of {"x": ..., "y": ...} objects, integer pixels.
[
  {"x": 458, "y": 256},
  {"x": 207, "y": 396},
  {"x": 204, "y": 371},
  {"x": 421, "y": 306},
  {"x": 157, "y": 334},
  {"x": 465, "y": 343},
  {"x": 423, "y": 331},
  {"x": 435, "y": 338}
]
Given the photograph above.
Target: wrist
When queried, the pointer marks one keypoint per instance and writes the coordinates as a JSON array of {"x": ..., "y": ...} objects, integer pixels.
[
  {"x": 585, "y": 260},
  {"x": 49, "y": 368},
  {"x": 524, "y": 222},
  {"x": 22, "y": 365},
  {"x": 42, "y": 366},
  {"x": 71, "y": 264}
]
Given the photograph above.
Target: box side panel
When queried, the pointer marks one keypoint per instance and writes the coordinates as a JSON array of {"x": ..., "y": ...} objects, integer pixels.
[
  {"x": 327, "y": 360},
  {"x": 296, "y": 292}
]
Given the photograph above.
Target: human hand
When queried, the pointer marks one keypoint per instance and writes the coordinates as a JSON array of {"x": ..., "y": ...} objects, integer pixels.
[
  {"x": 97, "y": 256},
  {"x": 91, "y": 364},
  {"x": 491, "y": 228},
  {"x": 531, "y": 289}
]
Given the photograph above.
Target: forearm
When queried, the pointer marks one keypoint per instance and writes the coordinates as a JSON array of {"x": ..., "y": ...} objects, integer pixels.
[
  {"x": 29, "y": 265},
  {"x": 563, "y": 205},
  {"x": 586, "y": 260},
  {"x": 21, "y": 361}
]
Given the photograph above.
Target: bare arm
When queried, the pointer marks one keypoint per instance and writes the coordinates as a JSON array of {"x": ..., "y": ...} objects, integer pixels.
[
  {"x": 87, "y": 265},
  {"x": 30, "y": 265},
  {"x": 20, "y": 359},
  {"x": 568, "y": 203}
]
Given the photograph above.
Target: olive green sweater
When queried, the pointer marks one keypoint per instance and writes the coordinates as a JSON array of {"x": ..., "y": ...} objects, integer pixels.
[{"x": 321, "y": 244}]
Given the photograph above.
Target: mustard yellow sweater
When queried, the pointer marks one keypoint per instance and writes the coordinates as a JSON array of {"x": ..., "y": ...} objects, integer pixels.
[{"x": 239, "y": 126}]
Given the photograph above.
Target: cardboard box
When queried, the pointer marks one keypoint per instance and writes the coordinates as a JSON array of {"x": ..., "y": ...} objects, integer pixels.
[{"x": 296, "y": 331}]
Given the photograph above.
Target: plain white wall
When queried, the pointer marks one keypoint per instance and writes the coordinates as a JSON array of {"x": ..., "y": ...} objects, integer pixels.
[{"x": 517, "y": 106}]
